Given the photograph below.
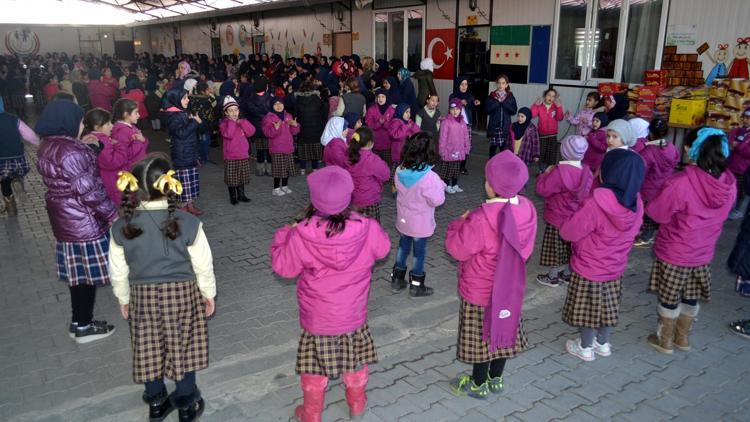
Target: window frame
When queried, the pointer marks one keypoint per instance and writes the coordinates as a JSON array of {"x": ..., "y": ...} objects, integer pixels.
[
  {"x": 586, "y": 80},
  {"x": 405, "y": 11}
]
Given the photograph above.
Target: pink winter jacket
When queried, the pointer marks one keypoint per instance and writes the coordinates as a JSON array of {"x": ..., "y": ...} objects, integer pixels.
[
  {"x": 548, "y": 118},
  {"x": 235, "y": 134},
  {"x": 336, "y": 153},
  {"x": 454, "y": 143},
  {"x": 739, "y": 159},
  {"x": 473, "y": 241},
  {"x": 369, "y": 175},
  {"x": 334, "y": 272},
  {"x": 140, "y": 98},
  {"x": 419, "y": 193},
  {"x": 380, "y": 130},
  {"x": 596, "y": 150},
  {"x": 102, "y": 95},
  {"x": 691, "y": 209},
  {"x": 640, "y": 144},
  {"x": 660, "y": 163},
  {"x": 125, "y": 133},
  {"x": 117, "y": 154},
  {"x": 602, "y": 233},
  {"x": 280, "y": 141},
  {"x": 399, "y": 130},
  {"x": 582, "y": 120},
  {"x": 563, "y": 190}
]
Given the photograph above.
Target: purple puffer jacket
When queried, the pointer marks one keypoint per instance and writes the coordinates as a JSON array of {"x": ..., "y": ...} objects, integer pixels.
[{"x": 77, "y": 205}]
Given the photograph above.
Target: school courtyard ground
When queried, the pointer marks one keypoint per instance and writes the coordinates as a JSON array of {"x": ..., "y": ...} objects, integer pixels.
[{"x": 45, "y": 376}]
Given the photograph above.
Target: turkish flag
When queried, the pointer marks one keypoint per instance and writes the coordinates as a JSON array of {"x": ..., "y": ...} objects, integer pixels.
[{"x": 441, "y": 48}]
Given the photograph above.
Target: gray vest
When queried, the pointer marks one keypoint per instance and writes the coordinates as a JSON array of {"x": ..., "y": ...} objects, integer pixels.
[
  {"x": 429, "y": 124},
  {"x": 152, "y": 257},
  {"x": 353, "y": 102}
]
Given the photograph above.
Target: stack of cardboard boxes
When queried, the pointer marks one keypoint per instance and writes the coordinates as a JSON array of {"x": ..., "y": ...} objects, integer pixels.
[
  {"x": 727, "y": 99},
  {"x": 681, "y": 69}
]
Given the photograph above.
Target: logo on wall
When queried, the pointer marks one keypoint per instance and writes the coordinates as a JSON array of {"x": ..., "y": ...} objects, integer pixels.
[
  {"x": 243, "y": 38},
  {"x": 22, "y": 41},
  {"x": 229, "y": 35},
  {"x": 441, "y": 47}
]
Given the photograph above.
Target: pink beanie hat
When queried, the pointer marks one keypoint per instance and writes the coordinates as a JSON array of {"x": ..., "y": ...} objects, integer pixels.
[
  {"x": 330, "y": 189},
  {"x": 506, "y": 174}
]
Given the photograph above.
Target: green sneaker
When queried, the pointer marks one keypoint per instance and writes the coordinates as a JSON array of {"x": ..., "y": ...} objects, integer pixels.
[
  {"x": 496, "y": 384},
  {"x": 464, "y": 386}
]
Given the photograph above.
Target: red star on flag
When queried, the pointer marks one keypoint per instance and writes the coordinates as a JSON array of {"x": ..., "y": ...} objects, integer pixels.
[
  {"x": 497, "y": 55},
  {"x": 507, "y": 54},
  {"x": 517, "y": 54}
]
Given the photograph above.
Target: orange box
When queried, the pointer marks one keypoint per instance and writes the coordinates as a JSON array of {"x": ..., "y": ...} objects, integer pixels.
[
  {"x": 611, "y": 88},
  {"x": 672, "y": 49},
  {"x": 655, "y": 74}
]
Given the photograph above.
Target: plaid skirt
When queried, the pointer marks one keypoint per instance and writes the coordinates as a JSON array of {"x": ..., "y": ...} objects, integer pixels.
[
  {"x": 592, "y": 304},
  {"x": 310, "y": 152},
  {"x": 555, "y": 250},
  {"x": 168, "y": 330},
  {"x": 11, "y": 168},
  {"x": 471, "y": 348},
  {"x": 449, "y": 169},
  {"x": 385, "y": 154},
  {"x": 372, "y": 211},
  {"x": 190, "y": 180},
  {"x": 672, "y": 282},
  {"x": 550, "y": 149},
  {"x": 236, "y": 172},
  {"x": 649, "y": 225},
  {"x": 282, "y": 165},
  {"x": 261, "y": 144},
  {"x": 331, "y": 356},
  {"x": 83, "y": 263}
]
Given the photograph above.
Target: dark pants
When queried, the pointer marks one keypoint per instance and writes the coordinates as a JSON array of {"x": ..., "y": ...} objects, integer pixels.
[
  {"x": 313, "y": 164},
  {"x": 494, "y": 368},
  {"x": 82, "y": 299},
  {"x": 6, "y": 187},
  {"x": 185, "y": 387}
]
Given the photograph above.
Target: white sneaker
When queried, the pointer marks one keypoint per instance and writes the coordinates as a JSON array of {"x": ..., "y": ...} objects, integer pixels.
[
  {"x": 286, "y": 189},
  {"x": 457, "y": 189},
  {"x": 449, "y": 189},
  {"x": 278, "y": 192},
  {"x": 302, "y": 172},
  {"x": 602, "y": 349},
  {"x": 736, "y": 214},
  {"x": 584, "y": 353}
]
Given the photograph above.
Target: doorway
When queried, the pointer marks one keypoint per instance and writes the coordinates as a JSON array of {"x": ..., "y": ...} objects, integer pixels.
[
  {"x": 474, "y": 63},
  {"x": 216, "y": 47},
  {"x": 399, "y": 34},
  {"x": 342, "y": 44}
]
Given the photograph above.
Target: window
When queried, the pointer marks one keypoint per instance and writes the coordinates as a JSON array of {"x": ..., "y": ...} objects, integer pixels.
[
  {"x": 607, "y": 40},
  {"x": 399, "y": 34}
]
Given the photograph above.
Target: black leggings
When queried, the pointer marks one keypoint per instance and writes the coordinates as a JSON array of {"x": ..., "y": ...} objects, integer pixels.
[
  {"x": 82, "y": 299},
  {"x": 494, "y": 368},
  {"x": 6, "y": 188},
  {"x": 690, "y": 302},
  {"x": 494, "y": 149},
  {"x": 263, "y": 156},
  {"x": 279, "y": 182}
]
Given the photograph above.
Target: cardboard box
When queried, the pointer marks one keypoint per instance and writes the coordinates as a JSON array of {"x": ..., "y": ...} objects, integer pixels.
[
  {"x": 671, "y": 49},
  {"x": 688, "y": 112},
  {"x": 611, "y": 88},
  {"x": 655, "y": 74}
]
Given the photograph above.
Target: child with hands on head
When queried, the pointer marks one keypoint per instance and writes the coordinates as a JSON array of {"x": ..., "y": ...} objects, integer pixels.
[
  {"x": 235, "y": 132},
  {"x": 549, "y": 110},
  {"x": 280, "y": 127}
]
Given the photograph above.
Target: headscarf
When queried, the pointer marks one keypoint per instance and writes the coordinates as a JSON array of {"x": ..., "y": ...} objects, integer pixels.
[
  {"x": 393, "y": 94},
  {"x": 2, "y": 106},
  {"x": 334, "y": 129},
  {"x": 621, "y": 107},
  {"x": 457, "y": 91},
  {"x": 282, "y": 114},
  {"x": 427, "y": 64},
  {"x": 640, "y": 127},
  {"x": 95, "y": 74},
  {"x": 351, "y": 119},
  {"x": 384, "y": 107},
  {"x": 622, "y": 172},
  {"x": 703, "y": 134},
  {"x": 506, "y": 174},
  {"x": 404, "y": 74},
  {"x": 603, "y": 118},
  {"x": 186, "y": 71},
  {"x": 624, "y": 130},
  {"x": 173, "y": 98},
  {"x": 60, "y": 118},
  {"x": 520, "y": 129},
  {"x": 400, "y": 110}
]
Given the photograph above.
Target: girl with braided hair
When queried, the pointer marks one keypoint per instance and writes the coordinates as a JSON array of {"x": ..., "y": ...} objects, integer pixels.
[{"x": 162, "y": 275}]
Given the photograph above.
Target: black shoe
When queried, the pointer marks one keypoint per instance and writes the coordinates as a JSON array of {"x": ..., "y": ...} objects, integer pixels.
[
  {"x": 97, "y": 330},
  {"x": 159, "y": 406},
  {"x": 241, "y": 194},
  {"x": 398, "y": 281},
  {"x": 232, "y": 195},
  {"x": 189, "y": 407},
  {"x": 464, "y": 171},
  {"x": 417, "y": 287}
]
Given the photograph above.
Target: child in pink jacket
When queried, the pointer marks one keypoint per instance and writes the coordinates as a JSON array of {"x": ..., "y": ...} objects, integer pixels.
[
  {"x": 334, "y": 140},
  {"x": 660, "y": 157},
  {"x": 400, "y": 128},
  {"x": 97, "y": 132},
  {"x": 597, "y": 140},
  {"x": 584, "y": 118},
  {"x": 602, "y": 233},
  {"x": 331, "y": 251},
  {"x": 369, "y": 173},
  {"x": 691, "y": 210},
  {"x": 563, "y": 188},
  {"x": 280, "y": 127},
  {"x": 378, "y": 118},
  {"x": 739, "y": 160},
  {"x": 454, "y": 145},
  {"x": 492, "y": 244},
  {"x": 235, "y": 132},
  {"x": 420, "y": 191},
  {"x": 550, "y": 112},
  {"x": 126, "y": 114}
]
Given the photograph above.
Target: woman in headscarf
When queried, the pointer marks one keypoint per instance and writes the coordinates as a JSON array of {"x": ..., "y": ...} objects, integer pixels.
[
  {"x": 80, "y": 213},
  {"x": 406, "y": 92},
  {"x": 461, "y": 91}
]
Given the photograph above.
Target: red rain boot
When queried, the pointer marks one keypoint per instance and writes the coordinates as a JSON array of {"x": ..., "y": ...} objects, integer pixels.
[
  {"x": 314, "y": 394},
  {"x": 356, "y": 382}
]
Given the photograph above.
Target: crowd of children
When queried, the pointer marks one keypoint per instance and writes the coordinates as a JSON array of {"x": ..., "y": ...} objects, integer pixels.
[{"x": 611, "y": 186}]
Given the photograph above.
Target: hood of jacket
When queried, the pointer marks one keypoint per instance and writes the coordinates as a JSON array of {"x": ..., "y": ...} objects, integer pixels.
[
  {"x": 576, "y": 180},
  {"x": 492, "y": 212},
  {"x": 409, "y": 177},
  {"x": 338, "y": 251},
  {"x": 619, "y": 216},
  {"x": 713, "y": 193}
]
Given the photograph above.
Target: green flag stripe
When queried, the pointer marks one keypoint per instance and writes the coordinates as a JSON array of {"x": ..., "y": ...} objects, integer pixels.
[{"x": 510, "y": 35}]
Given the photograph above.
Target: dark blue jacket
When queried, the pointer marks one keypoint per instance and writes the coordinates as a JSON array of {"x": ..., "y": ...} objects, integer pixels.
[
  {"x": 10, "y": 138},
  {"x": 739, "y": 259},
  {"x": 500, "y": 114},
  {"x": 255, "y": 107},
  {"x": 183, "y": 135}
]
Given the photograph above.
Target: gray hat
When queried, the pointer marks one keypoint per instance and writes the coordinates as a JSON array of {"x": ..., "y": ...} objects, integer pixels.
[{"x": 622, "y": 127}]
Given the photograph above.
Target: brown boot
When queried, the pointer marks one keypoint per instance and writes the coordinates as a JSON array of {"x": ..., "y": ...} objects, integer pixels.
[
  {"x": 683, "y": 326},
  {"x": 10, "y": 205},
  {"x": 663, "y": 340}
]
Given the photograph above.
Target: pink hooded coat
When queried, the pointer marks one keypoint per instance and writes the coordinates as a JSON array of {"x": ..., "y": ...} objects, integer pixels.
[
  {"x": 563, "y": 190},
  {"x": 691, "y": 209},
  {"x": 399, "y": 131},
  {"x": 336, "y": 153},
  {"x": 602, "y": 233},
  {"x": 118, "y": 154},
  {"x": 280, "y": 141},
  {"x": 334, "y": 273},
  {"x": 380, "y": 130},
  {"x": 596, "y": 150},
  {"x": 235, "y": 134},
  {"x": 454, "y": 143},
  {"x": 739, "y": 159},
  {"x": 369, "y": 175},
  {"x": 548, "y": 118},
  {"x": 415, "y": 205},
  {"x": 660, "y": 163},
  {"x": 125, "y": 133},
  {"x": 102, "y": 95},
  {"x": 473, "y": 242}
]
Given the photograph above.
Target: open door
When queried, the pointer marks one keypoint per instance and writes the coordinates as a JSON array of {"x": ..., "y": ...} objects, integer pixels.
[{"x": 342, "y": 44}]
